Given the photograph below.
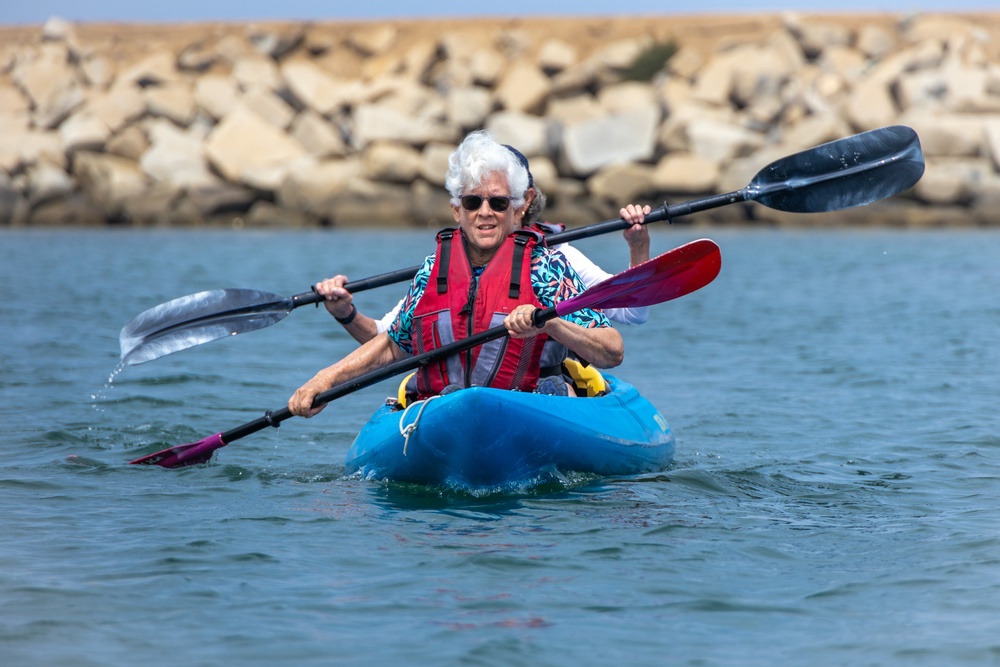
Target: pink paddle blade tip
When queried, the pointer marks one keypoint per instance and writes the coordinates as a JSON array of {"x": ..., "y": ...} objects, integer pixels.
[{"x": 184, "y": 455}]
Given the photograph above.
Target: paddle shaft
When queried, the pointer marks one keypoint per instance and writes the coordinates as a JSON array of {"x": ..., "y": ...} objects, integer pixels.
[
  {"x": 851, "y": 164},
  {"x": 665, "y": 212},
  {"x": 274, "y": 418}
]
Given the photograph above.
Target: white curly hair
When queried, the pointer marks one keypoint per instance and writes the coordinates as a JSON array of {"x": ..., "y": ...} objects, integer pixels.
[{"x": 478, "y": 156}]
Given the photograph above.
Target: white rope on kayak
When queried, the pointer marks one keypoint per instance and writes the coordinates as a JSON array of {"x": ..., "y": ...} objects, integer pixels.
[{"x": 408, "y": 430}]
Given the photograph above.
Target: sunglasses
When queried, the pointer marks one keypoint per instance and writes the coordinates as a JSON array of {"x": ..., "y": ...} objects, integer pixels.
[{"x": 474, "y": 202}]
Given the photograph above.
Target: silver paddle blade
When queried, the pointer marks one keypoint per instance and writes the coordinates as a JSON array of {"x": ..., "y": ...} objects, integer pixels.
[{"x": 198, "y": 318}]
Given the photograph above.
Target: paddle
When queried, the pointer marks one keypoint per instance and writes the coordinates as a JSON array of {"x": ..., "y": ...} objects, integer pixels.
[
  {"x": 849, "y": 172},
  {"x": 668, "y": 276}
]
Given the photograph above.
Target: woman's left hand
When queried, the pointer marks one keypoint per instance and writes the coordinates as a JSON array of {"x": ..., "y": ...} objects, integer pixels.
[
  {"x": 301, "y": 402},
  {"x": 638, "y": 234}
]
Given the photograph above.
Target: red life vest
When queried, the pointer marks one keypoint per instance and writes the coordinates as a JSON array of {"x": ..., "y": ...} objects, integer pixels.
[{"x": 455, "y": 306}]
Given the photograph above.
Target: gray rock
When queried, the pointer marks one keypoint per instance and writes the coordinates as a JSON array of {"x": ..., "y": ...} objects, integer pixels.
[
  {"x": 248, "y": 150},
  {"x": 624, "y": 137}
]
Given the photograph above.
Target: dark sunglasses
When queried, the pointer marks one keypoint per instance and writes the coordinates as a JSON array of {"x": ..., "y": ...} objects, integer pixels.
[{"x": 474, "y": 202}]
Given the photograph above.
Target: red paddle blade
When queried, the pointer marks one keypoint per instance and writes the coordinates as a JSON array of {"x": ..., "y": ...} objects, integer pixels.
[
  {"x": 184, "y": 455},
  {"x": 668, "y": 276}
]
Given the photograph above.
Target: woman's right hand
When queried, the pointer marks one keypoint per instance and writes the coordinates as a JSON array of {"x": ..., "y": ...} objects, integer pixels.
[{"x": 337, "y": 299}]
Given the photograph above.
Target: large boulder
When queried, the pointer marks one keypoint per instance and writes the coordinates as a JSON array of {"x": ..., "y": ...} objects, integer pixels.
[
  {"x": 529, "y": 134},
  {"x": 623, "y": 137},
  {"x": 216, "y": 94},
  {"x": 320, "y": 137},
  {"x": 108, "y": 180},
  {"x": 524, "y": 87},
  {"x": 622, "y": 182},
  {"x": 434, "y": 163},
  {"x": 52, "y": 85},
  {"x": 373, "y": 122},
  {"x": 312, "y": 187},
  {"x": 247, "y": 149},
  {"x": 176, "y": 157},
  {"x": 23, "y": 149},
  {"x": 313, "y": 88},
  {"x": 47, "y": 182},
  {"x": 117, "y": 107},
  {"x": 14, "y": 208},
  {"x": 720, "y": 142},
  {"x": 84, "y": 131},
  {"x": 173, "y": 101},
  {"x": 390, "y": 161},
  {"x": 685, "y": 173},
  {"x": 468, "y": 106},
  {"x": 157, "y": 69}
]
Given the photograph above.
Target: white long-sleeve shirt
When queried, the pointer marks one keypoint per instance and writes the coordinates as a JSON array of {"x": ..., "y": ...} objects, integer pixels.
[{"x": 590, "y": 273}]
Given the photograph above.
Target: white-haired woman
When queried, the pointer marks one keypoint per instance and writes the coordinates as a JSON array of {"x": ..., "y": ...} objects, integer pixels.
[
  {"x": 340, "y": 304},
  {"x": 467, "y": 286}
]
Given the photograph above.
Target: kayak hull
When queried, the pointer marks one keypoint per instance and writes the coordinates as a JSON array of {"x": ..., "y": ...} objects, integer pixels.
[{"x": 481, "y": 437}]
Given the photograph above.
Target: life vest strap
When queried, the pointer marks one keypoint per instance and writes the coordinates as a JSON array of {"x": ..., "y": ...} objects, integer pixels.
[
  {"x": 514, "y": 292},
  {"x": 445, "y": 258}
]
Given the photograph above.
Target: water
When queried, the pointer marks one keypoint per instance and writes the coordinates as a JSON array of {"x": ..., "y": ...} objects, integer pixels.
[{"x": 833, "y": 499}]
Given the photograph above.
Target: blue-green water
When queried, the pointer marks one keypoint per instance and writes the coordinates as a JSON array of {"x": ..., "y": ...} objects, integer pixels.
[{"x": 834, "y": 499}]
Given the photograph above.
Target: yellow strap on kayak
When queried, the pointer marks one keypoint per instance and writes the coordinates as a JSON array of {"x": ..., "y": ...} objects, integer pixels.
[{"x": 586, "y": 378}]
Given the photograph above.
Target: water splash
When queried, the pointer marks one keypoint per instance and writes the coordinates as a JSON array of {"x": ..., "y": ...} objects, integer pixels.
[
  {"x": 119, "y": 367},
  {"x": 103, "y": 395}
]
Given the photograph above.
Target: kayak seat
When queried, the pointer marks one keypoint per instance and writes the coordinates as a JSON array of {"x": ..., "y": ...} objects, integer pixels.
[{"x": 587, "y": 380}]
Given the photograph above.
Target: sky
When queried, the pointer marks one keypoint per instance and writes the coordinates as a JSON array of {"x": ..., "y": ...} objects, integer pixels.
[{"x": 36, "y": 12}]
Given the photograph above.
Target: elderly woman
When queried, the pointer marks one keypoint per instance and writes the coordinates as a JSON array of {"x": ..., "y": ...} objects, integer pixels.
[
  {"x": 340, "y": 302},
  {"x": 481, "y": 274}
]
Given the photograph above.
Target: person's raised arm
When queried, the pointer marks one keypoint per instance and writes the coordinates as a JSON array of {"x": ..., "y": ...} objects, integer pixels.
[
  {"x": 637, "y": 236},
  {"x": 340, "y": 303}
]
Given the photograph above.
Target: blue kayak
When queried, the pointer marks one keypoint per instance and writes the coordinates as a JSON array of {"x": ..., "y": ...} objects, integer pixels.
[{"x": 489, "y": 438}]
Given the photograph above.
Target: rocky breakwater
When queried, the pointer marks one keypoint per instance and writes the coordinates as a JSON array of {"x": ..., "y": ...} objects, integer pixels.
[{"x": 297, "y": 124}]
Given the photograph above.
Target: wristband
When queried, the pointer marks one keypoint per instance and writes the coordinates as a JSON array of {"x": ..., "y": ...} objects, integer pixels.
[{"x": 350, "y": 318}]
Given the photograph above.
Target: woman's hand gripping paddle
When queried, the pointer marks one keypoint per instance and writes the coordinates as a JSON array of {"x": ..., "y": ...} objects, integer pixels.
[{"x": 668, "y": 276}]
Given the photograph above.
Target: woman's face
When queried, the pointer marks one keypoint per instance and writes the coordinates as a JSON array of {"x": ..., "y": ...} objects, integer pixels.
[{"x": 485, "y": 228}]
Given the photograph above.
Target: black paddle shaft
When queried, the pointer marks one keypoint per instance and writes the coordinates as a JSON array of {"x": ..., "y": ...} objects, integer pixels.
[
  {"x": 596, "y": 229},
  {"x": 848, "y": 172},
  {"x": 275, "y": 417}
]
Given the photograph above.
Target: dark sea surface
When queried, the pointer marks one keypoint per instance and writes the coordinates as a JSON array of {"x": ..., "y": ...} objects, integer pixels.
[{"x": 834, "y": 500}]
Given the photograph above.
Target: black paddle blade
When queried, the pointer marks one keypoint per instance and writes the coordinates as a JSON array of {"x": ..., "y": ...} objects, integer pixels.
[
  {"x": 849, "y": 172},
  {"x": 198, "y": 318}
]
